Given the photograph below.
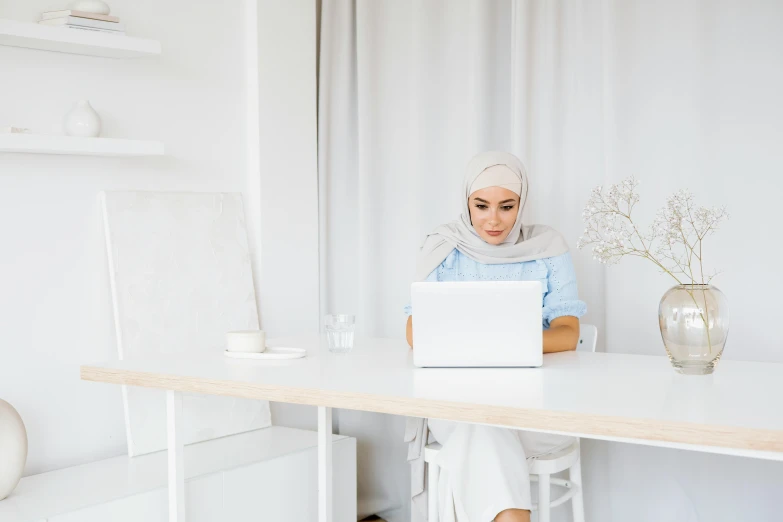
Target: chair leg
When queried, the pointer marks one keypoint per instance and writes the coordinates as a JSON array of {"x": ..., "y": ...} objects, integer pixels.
[
  {"x": 544, "y": 498},
  {"x": 577, "y": 504},
  {"x": 433, "y": 474}
]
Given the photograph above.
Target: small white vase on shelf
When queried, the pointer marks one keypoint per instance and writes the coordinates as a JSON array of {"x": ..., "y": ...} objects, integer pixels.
[
  {"x": 13, "y": 448},
  {"x": 82, "y": 121},
  {"x": 90, "y": 6}
]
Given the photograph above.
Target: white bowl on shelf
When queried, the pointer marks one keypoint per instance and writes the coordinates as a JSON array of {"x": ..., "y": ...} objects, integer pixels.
[{"x": 90, "y": 6}]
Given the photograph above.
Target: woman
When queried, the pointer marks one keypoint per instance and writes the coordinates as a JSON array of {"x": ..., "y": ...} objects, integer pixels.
[{"x": 484, "y": 474}]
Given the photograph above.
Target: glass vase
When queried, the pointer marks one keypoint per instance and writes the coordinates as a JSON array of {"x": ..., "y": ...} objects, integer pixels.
[{"x": 694, "y": 322}]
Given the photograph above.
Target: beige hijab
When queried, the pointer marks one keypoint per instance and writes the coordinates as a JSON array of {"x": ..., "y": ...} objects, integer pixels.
[{"x": 524, "y": 243}]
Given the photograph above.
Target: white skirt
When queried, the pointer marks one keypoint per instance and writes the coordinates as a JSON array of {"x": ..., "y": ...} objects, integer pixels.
[{"x": 484, "y": 469}]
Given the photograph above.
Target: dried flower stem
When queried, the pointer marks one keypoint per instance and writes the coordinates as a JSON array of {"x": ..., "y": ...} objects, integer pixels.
[{"x": 679, "y": 230}]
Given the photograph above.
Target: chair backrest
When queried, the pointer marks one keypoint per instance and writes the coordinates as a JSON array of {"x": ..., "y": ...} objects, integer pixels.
[{"x": 588, "y": 338}]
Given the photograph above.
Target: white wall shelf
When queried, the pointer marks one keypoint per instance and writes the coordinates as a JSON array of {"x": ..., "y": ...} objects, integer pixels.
[
  {"x": 45, "y": 144},
  {"x": 75, "y": 41}
]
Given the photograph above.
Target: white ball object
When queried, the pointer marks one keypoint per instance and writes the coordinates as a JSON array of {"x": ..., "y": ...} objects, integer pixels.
[
  {"x": 13, "y": 448},
  {"x": 82, "y": 121},
  {"x": 90, "y": 6}
]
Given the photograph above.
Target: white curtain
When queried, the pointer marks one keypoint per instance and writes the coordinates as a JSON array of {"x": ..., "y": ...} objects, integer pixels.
[
  {"x": 679, "y": 94},
  {"x": 408, "y": 92}
]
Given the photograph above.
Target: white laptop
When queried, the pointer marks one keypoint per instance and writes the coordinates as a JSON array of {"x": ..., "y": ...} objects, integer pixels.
[{"x": 477, "y": 324}]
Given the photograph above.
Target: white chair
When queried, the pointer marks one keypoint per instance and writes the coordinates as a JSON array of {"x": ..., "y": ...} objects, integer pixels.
[
  {"x": 588, "y": 338},
  {"x": 541, "y": 468}
]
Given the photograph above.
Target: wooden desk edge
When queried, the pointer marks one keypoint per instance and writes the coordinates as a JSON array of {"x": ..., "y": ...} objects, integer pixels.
[{"x": 601, "y": 426}]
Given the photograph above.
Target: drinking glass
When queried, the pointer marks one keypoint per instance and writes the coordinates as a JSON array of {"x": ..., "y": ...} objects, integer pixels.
[{"x": 340, "y": 332}]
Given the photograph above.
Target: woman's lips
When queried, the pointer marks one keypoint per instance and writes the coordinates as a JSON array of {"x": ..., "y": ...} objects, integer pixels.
[{"x": 494, "y": 233}]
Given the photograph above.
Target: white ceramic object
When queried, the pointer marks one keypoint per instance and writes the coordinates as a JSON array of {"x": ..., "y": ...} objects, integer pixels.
[
  {"x": 13, "y": 448},
  {"x": 82, "y": 121},
  {"x": 90, "y": 6},
  {"x": 271, "y": 353},
  {"x": 246, "y": 341}
]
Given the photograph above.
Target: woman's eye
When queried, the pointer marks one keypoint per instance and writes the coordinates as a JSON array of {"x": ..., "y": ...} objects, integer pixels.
[
  {"x": 508, "y": 207},
  {"x": 481, "y": 207}
]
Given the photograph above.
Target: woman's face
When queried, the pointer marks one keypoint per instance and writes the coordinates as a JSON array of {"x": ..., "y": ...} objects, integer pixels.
[{"x": 493, "y": 211}]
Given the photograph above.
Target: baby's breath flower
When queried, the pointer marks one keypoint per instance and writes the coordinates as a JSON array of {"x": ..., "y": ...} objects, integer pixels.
[{"x": 672, "y": 242}]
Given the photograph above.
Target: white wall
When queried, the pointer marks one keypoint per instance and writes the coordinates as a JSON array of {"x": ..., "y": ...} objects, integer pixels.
[
  {"x": 706, "y": 117},
  {"x": 287, "y": 195},
  {"x": 284, "y": 196},
  {"x": 54, "y": 308},
  {"x": 697, "y": 105}
]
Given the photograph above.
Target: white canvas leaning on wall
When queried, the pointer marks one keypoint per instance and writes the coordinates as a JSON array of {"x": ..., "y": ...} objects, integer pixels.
[{"x": 181, "y": 278}]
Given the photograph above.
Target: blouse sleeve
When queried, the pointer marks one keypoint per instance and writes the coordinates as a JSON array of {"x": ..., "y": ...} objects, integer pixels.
[
  {"x": 562, "y": 296},
  {"x": 432, "y": 278}
]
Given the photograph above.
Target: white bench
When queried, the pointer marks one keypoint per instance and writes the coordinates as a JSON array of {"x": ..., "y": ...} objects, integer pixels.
[{"x": 267, "y": 474}]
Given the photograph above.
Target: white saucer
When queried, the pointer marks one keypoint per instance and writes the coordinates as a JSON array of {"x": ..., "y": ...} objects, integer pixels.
[{"x": 271, "y": 352}]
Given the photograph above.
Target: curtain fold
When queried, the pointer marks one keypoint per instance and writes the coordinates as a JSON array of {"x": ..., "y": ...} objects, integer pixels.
[{"x": 409, "y": 91}]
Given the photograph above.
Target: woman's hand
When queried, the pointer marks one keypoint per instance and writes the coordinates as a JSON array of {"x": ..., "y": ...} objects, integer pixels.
[
  {"x": 563, "y": 334},
  {"x": 409, "y": 331}
]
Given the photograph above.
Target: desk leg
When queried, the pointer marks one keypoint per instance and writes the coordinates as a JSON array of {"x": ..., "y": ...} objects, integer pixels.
[
  {"x": 176, "y": 455},
  {"x": 324, "y": 464}
]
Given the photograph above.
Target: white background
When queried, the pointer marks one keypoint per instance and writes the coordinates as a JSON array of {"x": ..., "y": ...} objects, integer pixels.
[
  {"x": 55, "y": 309},
  {"x": 677, "y": 94},
  {"x": 697, "y": 106},
  {"x": 696, "y": 90}
]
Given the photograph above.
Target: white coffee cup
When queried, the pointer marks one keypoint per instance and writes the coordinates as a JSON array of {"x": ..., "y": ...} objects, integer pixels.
[{"x": 246, "y": 341}]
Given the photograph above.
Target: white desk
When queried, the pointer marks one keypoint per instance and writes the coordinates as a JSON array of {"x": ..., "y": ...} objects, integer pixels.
[{"x": 629, "y": 398}]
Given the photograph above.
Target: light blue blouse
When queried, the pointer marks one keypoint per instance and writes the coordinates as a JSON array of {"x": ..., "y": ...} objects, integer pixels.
[{"x": 558, "y": 280}]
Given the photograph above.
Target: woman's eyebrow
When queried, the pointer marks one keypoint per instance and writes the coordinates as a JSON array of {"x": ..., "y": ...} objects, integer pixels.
[{"x": 501, "y": 203}]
